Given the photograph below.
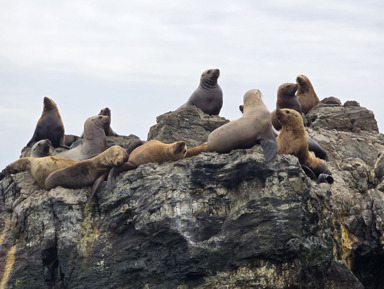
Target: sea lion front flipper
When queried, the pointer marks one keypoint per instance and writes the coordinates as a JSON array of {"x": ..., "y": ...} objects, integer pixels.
[
  {"x": 325, "y": 178},
  {"x": 96, "y": 187},
  {"x": 309, "y": 172},
  {"x": 269, "y": 146},
  {"x": 117, "y": 170}
]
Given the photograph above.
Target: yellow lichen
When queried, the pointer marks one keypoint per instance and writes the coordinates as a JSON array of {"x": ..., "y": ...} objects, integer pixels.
[
  {"x": 347, "y": 242},
  {"x": 9, "y": 262},
  {"x": 4, "y": 231}
]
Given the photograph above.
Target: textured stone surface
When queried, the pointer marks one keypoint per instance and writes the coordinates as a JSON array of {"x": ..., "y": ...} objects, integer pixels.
[{"x": 210, "y": 221}]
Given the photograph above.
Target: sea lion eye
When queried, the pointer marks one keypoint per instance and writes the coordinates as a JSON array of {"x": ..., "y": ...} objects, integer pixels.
[{"x": 287, "y": 111}]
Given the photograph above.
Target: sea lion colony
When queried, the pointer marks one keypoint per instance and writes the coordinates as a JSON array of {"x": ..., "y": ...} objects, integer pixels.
[{"x": 88, "y": 161}]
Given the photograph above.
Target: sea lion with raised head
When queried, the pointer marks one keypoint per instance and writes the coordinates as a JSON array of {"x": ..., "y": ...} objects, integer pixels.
[
  {"x": 208, "y": 96},
  {"x": 49, "y": 126},
  {"x": 253, "y": 127},
  {"x": 292, "y": 140},
  {"x": 152, "y": 151},
  {"x": 286, "y": 98},
  {"x": 40, "y": 168},
  {"x": 306, "y": 94},
  {"x": 108, "y": 130},
  {"x": 41, "y": 148},
  {"x": 93, "y": 141}
]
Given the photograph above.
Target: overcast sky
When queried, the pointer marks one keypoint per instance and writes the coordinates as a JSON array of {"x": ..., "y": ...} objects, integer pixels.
[{"x": 144, "y": 58}]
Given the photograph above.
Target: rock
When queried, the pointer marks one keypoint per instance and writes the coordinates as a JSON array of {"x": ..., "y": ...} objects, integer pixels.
[{"x": 209, "y": 221}]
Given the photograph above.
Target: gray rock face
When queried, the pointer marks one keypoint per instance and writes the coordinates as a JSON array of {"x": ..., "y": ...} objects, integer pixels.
[{"x": 210, "y": 221}]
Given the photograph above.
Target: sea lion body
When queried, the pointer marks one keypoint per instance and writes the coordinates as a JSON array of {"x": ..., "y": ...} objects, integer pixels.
[
  {"x": 253, "y": 127},
  {"x": 286, "y": 98},
  {"x": 50, "y": 125},
  {"x": 306, "y": 94},
  {"x": 85, "y": 173},
  {"x": 93, "y": 141},
  {"x": 208, "y": 96},
  {"x": 293, "y": 140},
  {"x": 41, "y": 148},
  {"x": 40, "y": 168},
  {"x": 70, "y": 139}
]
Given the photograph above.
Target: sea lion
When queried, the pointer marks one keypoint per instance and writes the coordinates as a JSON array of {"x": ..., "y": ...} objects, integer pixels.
[
  {"x": 40, "y": 168},
  {"x": 88, "y": 172},
  {"x": 49, "y": 126},
  {"x": 286, "y": 98},
  {"x": 292, "y": 140},
  {"x": 253, "y": 127},
  {"x": 152, "y": 151},
  {"x": 306, "y": 94},
  {"x": 93, "y": 141},
  {"x": 41, "y": 148},
  {"x": 208, "y": 96},
  {"x": 70, "y": 139},
  {"x": 108, "y": 130}
]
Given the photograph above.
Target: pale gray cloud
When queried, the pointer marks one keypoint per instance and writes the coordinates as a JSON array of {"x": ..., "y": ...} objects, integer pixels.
[{"x": 144, "y": 58}]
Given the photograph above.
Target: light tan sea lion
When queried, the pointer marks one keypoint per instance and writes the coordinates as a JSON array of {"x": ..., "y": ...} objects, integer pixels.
[
  {"x": 41, "y": 148},
  {"x": 49, "y": 126},
  {"x": 293, "y": 140},
  {"x": 40, "y": 168},
  {"x": 208, "y": 96},
  {"x": 88, "y": 172},
  {"x": 306, "y": 94},
  {"x": 253, "y": 127},
  {"x": 286, "y": 98},
  {"x": 152, "y": 151},
  {"x": 93, "y": 141}
]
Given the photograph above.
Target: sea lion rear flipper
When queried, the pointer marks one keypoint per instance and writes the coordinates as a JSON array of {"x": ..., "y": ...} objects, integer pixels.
[
  {"x": 269, "y": 146},
  {"x": 317, "y": 149},
  {"x": 309, "y": 172},
  {"x": 96, "y": 187}
]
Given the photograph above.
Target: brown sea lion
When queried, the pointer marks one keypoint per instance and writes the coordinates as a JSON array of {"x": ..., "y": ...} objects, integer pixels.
[
  {"x": 49, "y": 126},
  {"x": 286, "y": 98},
  {"x": 70, "y": 139},
  {"x": 208, "y": 96},
  {"x": 108, "y": 130},
  {"x": 306, "y": 94},
  {"x": 152, "y": 151},
  {"x": 41, "y": 148},
  {"x": 93, "y": 141},
  {"x": 292, "y": 140},
  {"x": 40, "y": 168},
  {"x": 253, "y": 127},
  {"x": 88, "y": 172}
]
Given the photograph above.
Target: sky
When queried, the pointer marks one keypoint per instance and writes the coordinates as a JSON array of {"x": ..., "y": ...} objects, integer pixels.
[{"x": 144, "y": 58}]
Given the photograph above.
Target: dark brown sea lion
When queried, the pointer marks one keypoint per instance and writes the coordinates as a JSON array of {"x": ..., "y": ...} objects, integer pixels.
[
  {"x": 108, "y": 131},
  {"x": 208, "y": 96},
  {"x": 306, "y": 94},
  {"x": 292, "y": 140},
  {"x": 286, "y": 98},
  {"x": 93, "y": 141},
  {"x": 49, "y": 126},
  {"x": 253, "y": 127}
]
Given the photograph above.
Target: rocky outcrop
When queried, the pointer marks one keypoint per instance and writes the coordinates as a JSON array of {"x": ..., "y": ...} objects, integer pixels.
[{"x": 210, "y": 221}]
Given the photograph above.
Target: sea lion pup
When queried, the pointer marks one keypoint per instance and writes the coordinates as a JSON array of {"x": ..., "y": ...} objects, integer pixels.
[
  {"x": 286, "y": 98},
  {"x": 108, "y": 130},
  {"x": 152, "y": 151},
  {"x": 208, "y": 96},
  {"x": 41, "y": 148},
  {"x": 93, "y": 141},
  {"x": 292, "y": 140},
  {"x": 253, "y": 127},
  {"x": 306, "y": 94},
  {"x": 88, "y": 172},
  {"x": 50, "y": 125},
  {"x": 40, "y": 168}
]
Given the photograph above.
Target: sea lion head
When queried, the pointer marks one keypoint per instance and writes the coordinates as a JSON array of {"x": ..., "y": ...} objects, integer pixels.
[
  {"x": 101, "y": 121},
  {"x": 49, "y": 104},
  {"x": 41, "y": 148},
  {"x": 252, "y": 97},
  {"x": 116, "y": 155},
  {"x": 210, "y": 76},
  {"x": 289, "y": 117},
  {"x": 287, "y": 90},
  {"x": 178, "y": 150},
  {"x": 304, "y": 83},
  {"x": 105, "y": 111}
]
